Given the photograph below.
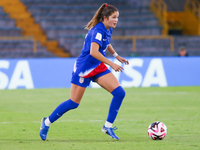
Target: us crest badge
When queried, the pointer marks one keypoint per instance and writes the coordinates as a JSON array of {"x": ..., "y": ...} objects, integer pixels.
[{"x": 81, "y": 80}]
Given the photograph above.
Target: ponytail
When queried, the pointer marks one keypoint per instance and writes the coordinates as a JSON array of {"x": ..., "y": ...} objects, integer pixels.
[{"x": 104, "y": 10}]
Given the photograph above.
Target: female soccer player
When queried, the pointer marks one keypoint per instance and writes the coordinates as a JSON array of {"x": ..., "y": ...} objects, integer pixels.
[{"x": 90, "y": 66}]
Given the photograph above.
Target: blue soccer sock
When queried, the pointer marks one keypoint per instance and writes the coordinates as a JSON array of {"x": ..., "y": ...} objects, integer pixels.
[
  {"x": 118, "y": 96},
  {"x": 61, "y": 109}
]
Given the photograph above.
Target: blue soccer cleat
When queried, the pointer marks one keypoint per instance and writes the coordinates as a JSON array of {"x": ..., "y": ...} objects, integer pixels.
[
  {"x": 43, "y": 129},
  {"x": 110, "y": 132}
]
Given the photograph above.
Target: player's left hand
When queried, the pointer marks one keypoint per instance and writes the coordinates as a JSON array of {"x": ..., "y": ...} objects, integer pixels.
[{"x": 122, "y": 60}]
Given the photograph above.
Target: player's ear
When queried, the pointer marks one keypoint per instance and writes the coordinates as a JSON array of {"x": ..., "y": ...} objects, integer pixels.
[{"x": 105, "y": 18}]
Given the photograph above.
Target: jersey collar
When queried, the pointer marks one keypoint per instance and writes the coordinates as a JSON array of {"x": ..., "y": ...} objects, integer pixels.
[{"x": 104, "y": 28}]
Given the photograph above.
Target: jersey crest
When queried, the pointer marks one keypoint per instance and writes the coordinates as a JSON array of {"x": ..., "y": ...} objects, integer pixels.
[
  {"x": 81, "y": 80},
  {"x": 98, "y": 36}
]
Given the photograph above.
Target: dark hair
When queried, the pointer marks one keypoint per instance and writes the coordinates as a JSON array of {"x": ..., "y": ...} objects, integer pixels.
[{"x": 104, "y": 10}]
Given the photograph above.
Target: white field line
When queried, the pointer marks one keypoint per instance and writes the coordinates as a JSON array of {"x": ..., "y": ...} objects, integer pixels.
[
  {"x": 117, "y": 120},
  {"x": 56, "y": 121},
  {"x": 64, "y": 121}
]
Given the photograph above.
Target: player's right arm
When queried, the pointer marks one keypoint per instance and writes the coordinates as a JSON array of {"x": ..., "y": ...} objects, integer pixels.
[
  {"x": 94, "y": 51},
  {"x": 111, "y": 50}
]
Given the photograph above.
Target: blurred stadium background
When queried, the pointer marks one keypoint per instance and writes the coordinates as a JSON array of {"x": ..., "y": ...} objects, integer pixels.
[{"x": 55, "y": 28}]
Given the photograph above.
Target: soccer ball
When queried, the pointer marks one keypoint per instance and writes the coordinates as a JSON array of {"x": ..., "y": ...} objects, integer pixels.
[{"x": 157, "y": 130}]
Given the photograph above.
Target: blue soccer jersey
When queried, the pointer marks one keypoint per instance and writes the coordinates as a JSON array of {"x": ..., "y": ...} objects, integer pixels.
[{"x": 86, "y": 63}]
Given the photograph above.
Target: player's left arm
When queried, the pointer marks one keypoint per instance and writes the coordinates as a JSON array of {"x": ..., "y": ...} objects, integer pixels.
[{"x": 111, "y": 50}]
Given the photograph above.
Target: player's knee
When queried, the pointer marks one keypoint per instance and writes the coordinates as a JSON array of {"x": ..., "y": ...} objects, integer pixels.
[
  {"x": 122, "y": 93},
  {"x": 119, "y": 92}
]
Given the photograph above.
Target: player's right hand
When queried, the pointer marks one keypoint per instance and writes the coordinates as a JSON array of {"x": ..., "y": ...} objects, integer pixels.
[{"x": 117, "y": 68}]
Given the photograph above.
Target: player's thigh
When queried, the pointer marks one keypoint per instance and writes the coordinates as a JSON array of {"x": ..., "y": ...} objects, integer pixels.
[
  {"x": 76, "y": 93},
  {"x": 108, "y": 82}
]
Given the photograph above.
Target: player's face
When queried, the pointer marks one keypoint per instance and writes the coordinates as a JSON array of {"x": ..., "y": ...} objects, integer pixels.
[{"x": 112, "y": 20}]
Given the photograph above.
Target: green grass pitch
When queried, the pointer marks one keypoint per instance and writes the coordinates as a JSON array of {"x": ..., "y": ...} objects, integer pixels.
[{"x": 80, "y": 129}]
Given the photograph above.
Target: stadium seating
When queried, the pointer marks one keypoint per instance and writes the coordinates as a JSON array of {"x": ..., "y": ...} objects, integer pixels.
[
  {"x": 7, "y": 25},
  {"x": 191, "y": 43},
  {"x": 22, "y": 49},
  {"x": 177, "y": 5},
  {"x": 64, "y": 21},
  {"x": 17, "y": 48}
]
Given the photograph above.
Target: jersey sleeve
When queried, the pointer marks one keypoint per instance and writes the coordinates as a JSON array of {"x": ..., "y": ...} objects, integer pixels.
[{"x": 97, "y": 36}]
